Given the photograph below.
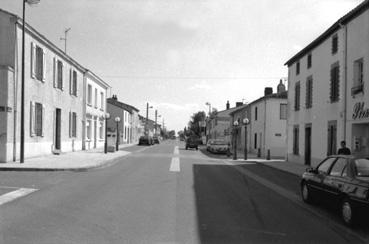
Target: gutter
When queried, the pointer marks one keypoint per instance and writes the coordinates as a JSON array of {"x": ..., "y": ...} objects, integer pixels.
[{"x": 345, "y": 84}]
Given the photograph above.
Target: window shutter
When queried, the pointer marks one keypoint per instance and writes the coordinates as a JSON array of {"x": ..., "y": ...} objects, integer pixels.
[
  {"x": 43, "y": 66},
  {"x": 70, "y": 124},
  {"x": 63, "y": 79},
  {"x": 55, "y": 78},
  {"x": 32, "y": 119},
  {"x": 33, "y": 60},
  {"x": 43, "y": 121},
  {"x": 70, "y": 81},
  {"x": 75, "y": 124}
]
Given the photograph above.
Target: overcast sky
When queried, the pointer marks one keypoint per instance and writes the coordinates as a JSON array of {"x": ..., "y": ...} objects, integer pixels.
[{"x": 179, "y": 54}]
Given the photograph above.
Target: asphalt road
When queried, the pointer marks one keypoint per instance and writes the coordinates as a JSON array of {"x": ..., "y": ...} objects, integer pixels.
[{"x": 164, "y": 194}]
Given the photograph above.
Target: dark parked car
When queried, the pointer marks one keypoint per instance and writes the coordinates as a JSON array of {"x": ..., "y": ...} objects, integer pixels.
[
  {"x": 341, "y": 181},
  {"x": 192, "y": 142},
  {"x": 146, "y": 140},
  {"x": 156, "y": 140}
]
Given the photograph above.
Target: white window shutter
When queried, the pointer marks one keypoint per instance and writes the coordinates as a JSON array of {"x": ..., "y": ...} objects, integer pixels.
[
  {"x": 43, "y": 121},
  {"x": 32, "y": 119},
  {"x": 33, "y": 60},
  {"x": 55, "y": 76},
  {"x": 70, "y": 81},
  {"x": 43, "y": 65},
  {"x": 63, "y": 78},
  {"x": 76, "y": 91},
  {"x": 70, "y": 124}
]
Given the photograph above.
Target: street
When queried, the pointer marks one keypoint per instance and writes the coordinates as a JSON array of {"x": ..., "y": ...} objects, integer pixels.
[{"x": 166, "y": 194}]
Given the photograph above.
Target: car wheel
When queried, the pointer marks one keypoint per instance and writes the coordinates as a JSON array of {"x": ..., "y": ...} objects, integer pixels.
[
  {"x": 305, "y": 193},
  {"x": 347, "y": 212},
  {"x": 197, "y": 148},
  {"x": 186, "y": 148}
]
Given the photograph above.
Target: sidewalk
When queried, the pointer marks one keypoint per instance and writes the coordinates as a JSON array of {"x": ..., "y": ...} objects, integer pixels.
[
  {"x": 281, "y": 164},
  {"x": 71, "y": 161}
]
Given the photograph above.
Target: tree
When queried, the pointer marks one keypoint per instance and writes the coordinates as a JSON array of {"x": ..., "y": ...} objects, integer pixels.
[{"x": 196, "y": 124}]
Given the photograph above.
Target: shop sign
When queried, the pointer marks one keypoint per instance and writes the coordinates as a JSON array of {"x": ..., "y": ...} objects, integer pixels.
[{"x": 360, "y": 111}]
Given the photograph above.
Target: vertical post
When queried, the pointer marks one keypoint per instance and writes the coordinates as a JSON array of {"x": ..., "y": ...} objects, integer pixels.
[
  {"x": 235, "y": 143},
  {"x": 106, "y": 136},
  {"x": 156, "y": 122},
  {"x": 22, "y": 92},
  {"x": 117, "y": 142},
  {"x": 147, "y": 117},
  {"x": 245, "y": 150}
]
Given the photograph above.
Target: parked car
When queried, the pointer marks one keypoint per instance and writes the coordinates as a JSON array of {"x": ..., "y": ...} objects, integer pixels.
[
  {"x": 156, "y": 139},
  {"x": 146, "y": 140},
  {"x": 342, "y": 181},
  {"x": 217, "y": 146},
  {"x": 192, "y": 142}
]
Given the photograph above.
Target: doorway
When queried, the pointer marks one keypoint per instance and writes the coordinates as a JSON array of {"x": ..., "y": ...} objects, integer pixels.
[
  {"x": 57, "y": 129},
  {"x": 308, "y": 144}
]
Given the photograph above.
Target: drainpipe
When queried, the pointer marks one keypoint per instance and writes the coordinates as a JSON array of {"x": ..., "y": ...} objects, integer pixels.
[
  {"x": 345, "y": 84},
  {"x": 265, "y": 115},
  {"x": 15, "y": 94}
]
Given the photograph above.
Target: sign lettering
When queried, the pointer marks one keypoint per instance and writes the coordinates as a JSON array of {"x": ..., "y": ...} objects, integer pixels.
[{"x": 360, "y": 112}]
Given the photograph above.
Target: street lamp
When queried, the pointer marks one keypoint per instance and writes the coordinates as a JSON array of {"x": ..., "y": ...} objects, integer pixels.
[
  {"x": 235, "y": 127},
  {"x": 209, "y": 105},
  {"x": 245, "y": 121},
  {"x": 107, "y": 116},
  {"x": 147, "y": 118},
  {"x": 117, "y": 120},
  {"x": 30, "y": 2}
]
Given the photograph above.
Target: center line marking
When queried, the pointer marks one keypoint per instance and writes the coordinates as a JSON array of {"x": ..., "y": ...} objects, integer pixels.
[
  {"x": 176, "y": 150},
  {"x": 11, "y": 196},
  {"x": 174, "y": 166}
]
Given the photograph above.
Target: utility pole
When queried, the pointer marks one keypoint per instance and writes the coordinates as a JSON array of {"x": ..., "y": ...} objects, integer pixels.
[
  {"x": 65, "y": 39},
  {"x": 156, "y": 122}
]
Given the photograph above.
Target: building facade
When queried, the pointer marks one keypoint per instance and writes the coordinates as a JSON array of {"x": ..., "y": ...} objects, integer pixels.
[
  {"x": 95, "y": 93},
  {"x": 328, "y": 91},
  {"x": 53, "y": 105}
]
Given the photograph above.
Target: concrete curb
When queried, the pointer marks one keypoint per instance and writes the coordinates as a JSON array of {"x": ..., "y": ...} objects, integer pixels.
[{"x": 103, "y": 164}]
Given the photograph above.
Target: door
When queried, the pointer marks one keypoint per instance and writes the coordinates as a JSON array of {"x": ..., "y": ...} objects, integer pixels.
[
  {"x": 335, "y": 180},
  {"x": 308, "y": 145},
  {"x": 58, "y": 129},
  {"x": 316, "y": 181}
]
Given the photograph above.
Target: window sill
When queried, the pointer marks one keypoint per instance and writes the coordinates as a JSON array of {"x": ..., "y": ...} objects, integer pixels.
[{"x": 88, "y": 104}]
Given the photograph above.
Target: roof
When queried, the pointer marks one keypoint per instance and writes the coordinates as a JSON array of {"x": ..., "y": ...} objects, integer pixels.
[
  {"x": 124, "y": 106},
  {"x": 337, "y": 25},
  {"x": 282, "y": 95},
  {"x": 239, "y": 109}
]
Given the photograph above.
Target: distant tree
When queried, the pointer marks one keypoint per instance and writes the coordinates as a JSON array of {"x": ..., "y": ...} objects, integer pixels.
[{"x": 196, "y": 122}]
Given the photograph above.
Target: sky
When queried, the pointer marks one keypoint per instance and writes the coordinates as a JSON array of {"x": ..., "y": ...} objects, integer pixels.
[{"x": 177, "y": 55}]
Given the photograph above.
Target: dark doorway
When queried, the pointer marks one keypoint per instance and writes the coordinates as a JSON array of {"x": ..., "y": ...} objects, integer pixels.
[
  {"x": 57, "y": 129},
  {"x": 308, "y": 145}
]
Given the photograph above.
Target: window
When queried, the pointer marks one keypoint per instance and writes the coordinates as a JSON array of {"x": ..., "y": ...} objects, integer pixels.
[
  {"x": 309, "y": 92},
  {"x": 256, "y": 113},
  {"x": 358, "y": 85},
  {"x": 297, "y": 67},
  {"x": 72, "y": 124},
  {"x": 37, "y": 62},
  {"x": 37, "y": 118},
  {"x": 59, "y": 68},
  {"x": 255, "y": 141},
  {"x": 338, "y": 167},
  {"x": 95, "y": 97},
  {"x": 335, "y": 81},
  {"x": 297, "y": 96},
  {"x": 309, "y": 61},
  {"x": 102, "y": 100},
  {"x": 101, "y": 130},
  {"x": 89, "y": 95},
  {"x": 332, "y": 137},
  {"x": 283, "y": 111},
  {"x": 88, "y": 129},
  {"x": 362, "y": 167},
  {"x": 296, "y": 140},
  {"x": 73, "y": 82},
  {"x": 334, "y": 44},
  {"x": 326, "y": 165}
]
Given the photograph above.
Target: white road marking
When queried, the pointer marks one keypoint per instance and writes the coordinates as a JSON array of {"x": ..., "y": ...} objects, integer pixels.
[
  {"x": 175, "y": 166},
  {"x": 11, "y": 196},
  {"x": 176, "y": 150}
]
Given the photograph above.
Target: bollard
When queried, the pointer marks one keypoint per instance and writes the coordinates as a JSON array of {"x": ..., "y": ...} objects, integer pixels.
[
  {"x": 268, "y": 154},
  {"x": 259, "y": 152}
]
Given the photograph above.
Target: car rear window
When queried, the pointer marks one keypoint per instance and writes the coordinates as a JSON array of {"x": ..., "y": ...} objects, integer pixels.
[
  {"x": 219, "y": 143},
  {"x": 362, "y": 167}
]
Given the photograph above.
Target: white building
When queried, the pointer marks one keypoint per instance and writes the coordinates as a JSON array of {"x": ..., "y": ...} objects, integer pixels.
[
  {"x": 53, "y": 91},
  {"x": 95, "y": 110},
  {"x": 328, "y": 91}
]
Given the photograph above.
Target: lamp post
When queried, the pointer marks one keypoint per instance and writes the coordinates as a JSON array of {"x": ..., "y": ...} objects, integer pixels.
[
  {"x": 235, "y": 127},
  {"x": 209, "y": 105},
  {"x": 107, "y": 116},
  {"x": 22, "y": 85},
  {"x": 117, "y": 120},
  {"x": 245, "y": 122},
  {"x": 147, "y": 118}
]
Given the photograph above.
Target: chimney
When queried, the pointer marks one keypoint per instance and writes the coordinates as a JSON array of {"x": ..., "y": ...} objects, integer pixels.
[
  {"x": 281, "y": 87},
  {"x": 238, "y": 104},
  {"x": 114, "y": 97},
  {"x": 227, "y": 105},
  {"x": 268, "y": 91}
]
